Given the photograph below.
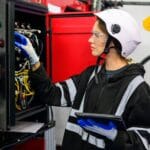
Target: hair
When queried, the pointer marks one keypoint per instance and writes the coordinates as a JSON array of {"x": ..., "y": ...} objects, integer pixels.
[{"x": 102, "y": 26}]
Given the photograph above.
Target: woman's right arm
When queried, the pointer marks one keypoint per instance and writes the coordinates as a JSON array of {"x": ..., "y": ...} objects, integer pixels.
[{"x": 59, "y": 94}]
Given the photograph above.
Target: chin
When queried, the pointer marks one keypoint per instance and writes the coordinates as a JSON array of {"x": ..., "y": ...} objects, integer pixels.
[{"x": 95, "y": 54}]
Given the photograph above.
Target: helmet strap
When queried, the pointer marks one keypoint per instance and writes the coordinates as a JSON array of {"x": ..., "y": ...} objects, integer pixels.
[
  {"x": 106, "y": 49},
  {"x": 102, "y": 57}
]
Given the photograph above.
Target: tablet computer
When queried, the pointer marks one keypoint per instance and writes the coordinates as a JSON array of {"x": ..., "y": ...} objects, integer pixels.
[{"x": 104, "y": 118}]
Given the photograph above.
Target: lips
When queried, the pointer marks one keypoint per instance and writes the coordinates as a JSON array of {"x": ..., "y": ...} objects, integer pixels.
[{"x": 92, "y": 48}]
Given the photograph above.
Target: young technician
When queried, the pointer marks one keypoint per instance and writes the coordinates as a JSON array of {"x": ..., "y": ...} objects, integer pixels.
[{"x": 112, "y": 86}]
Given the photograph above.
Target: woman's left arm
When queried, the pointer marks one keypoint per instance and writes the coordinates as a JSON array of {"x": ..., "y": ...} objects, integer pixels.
[{"x": 137, "y": 135}]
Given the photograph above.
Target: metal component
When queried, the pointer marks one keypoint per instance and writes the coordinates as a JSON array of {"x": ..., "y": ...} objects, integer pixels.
[
  {"x": 96, "y": 5},
  {"x": 104, "y": 4},
  {"x": 3, "y": 73},
  {"x": 135, "y": 3},
  {"x": 49, "y": 135}
]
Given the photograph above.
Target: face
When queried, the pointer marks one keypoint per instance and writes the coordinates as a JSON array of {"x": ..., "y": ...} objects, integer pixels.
[{"x": 97, "y": 40}]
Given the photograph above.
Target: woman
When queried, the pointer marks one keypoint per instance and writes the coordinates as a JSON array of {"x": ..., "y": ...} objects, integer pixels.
[{"x": 112, "y": 86}]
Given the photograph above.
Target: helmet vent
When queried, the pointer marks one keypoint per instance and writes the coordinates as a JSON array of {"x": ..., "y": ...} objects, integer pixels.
[{"x": 115, "y": 28}]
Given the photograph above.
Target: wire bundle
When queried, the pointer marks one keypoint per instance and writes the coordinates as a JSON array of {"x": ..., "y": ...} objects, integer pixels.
[{"x": 24, "y": 94}]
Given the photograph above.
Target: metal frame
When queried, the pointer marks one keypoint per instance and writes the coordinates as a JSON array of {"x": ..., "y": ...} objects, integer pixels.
[
  {"x": 135, "y": 3},
  {"x": 3, "y": 66}
]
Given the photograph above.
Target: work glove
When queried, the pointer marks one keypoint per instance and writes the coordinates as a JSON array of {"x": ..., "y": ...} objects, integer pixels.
[
  {"x": 24, "y": 44},
  {"x": 107, "y": 130}
]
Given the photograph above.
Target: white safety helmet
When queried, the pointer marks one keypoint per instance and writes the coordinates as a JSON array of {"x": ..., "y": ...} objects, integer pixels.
[{"x": 123, "y": 27}]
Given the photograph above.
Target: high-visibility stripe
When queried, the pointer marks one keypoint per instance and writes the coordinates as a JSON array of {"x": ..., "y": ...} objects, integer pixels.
[
  {"x": 77, "y": 129},
  {"x": 129, "y": 91},
  {"x": 93, "y": 73},
  {"x": 73, "y": 111},
  {"x": 91, "y": 77},
  {"x": 137, "y": 128},
  {"x": 97, "y": 142},
  {"x": 74, "y": 128},
  {"x": 100, "y": 142},
  {"x": 144, "y": 140},
  {"x": 82, "y": 103},
  {"x": 72, "y": 89},
  {"x": 62, "y": 99},
  {"x": 91, "y": 139},
  {"x": 84, "y": 135},
  {"x": 83, "y": 98}
]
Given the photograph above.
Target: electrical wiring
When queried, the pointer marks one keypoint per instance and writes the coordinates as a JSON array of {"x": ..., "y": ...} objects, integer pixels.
[{"x": 24, "y": 94}]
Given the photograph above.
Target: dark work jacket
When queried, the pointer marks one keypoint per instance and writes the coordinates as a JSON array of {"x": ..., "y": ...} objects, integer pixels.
[{"x": 83, "y": 94}]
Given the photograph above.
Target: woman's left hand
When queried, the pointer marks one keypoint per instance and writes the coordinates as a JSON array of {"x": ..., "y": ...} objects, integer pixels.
[{"x": 108, "y": 130}]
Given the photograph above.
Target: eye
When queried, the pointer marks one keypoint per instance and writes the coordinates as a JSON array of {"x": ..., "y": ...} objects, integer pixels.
[{"x": 97, "y": 34}]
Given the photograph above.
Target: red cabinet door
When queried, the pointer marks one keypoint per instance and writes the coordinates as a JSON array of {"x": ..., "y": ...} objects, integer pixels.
[{"x": 69, "y": 47}]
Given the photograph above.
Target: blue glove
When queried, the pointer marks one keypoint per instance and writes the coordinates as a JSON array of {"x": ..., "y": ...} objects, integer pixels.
[
  {"x": 24, "y": 44},
  {"x": 108, "y": 130}
]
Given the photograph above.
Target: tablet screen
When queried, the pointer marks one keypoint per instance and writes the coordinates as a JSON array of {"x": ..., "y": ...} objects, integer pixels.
[{"x": 104, "y": 118}]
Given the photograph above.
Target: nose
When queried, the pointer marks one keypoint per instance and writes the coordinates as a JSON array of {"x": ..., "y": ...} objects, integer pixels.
[{"x": 90, "y": 39}]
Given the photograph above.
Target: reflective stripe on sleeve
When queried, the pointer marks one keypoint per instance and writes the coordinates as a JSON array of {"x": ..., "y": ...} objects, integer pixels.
[
  {"x": 62, "y": 100},
  {"x": 144, "y": 140},
  {"x": 97, "y": 142},
  {"x": 73, "y": 111},
  {"x": 137, "y": 128},
  {"x": 91, "y": 139},
  {"x": 72, "y": 89},
  {"x": 128, "y": 93}
]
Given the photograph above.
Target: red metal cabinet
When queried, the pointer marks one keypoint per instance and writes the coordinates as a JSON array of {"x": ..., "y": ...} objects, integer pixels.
[
  {"x": 59, "y": 3},
  {"x": 68, "y": 44},
  {"x": 34, "y": 144}
]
